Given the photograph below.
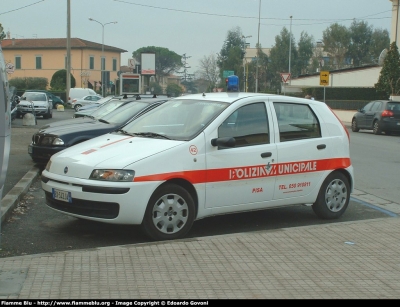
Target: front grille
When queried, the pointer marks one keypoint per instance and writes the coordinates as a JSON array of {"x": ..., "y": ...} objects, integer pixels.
[{"x": 97, "y": 209}]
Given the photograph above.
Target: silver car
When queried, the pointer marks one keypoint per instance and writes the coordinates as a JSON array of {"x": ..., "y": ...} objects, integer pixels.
[
  {"x": 36, "y": 103},
  {"x": 85, "y": 101}
]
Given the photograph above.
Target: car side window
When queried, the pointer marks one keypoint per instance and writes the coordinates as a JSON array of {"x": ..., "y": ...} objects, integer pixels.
[
  {"x": 368, "y": 106},
  {"x": 296, "y": 122},
  {"x": 248, "y": 125},
  {"x": 377, "y": 106}
]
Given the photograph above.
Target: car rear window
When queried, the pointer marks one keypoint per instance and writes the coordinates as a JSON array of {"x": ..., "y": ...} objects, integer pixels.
[{"x": 393, "y": 106}]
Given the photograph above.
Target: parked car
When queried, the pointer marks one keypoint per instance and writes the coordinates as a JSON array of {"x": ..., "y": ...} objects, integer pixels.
[
  {"x": 37, "y": 103},
  {"x": 78, "y": 93},
  {"x": 378, "y": 116},
  {"x": 56, "y": 100},
  {"x": 206, "y": 154},
  {"x": 90, "y": 108},
  {"x": 54, "y": 138},
  {"x": 77, "y": 103}
]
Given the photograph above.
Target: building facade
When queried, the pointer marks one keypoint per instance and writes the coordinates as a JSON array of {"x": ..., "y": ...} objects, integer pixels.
[{"x": 43, "y": 57}]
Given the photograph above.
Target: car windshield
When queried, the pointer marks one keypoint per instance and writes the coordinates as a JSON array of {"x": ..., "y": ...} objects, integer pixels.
[
  {"x": 177, "y": 119},
  {"x": 35, "y": 96},
  {"x": 124, "y": 113},
  {"x": 107, "y": 107}
]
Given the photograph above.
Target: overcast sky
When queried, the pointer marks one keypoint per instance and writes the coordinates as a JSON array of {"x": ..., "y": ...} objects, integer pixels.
[{"x": 196, "y": 28}]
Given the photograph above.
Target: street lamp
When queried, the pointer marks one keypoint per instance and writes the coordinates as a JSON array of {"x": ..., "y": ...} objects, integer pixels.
[
  {"x": 244, "y": 64},
  {"x": 258, "y": 44},
  {"x": 102, "y": 51},
  {"x": 290, "y": 48}
]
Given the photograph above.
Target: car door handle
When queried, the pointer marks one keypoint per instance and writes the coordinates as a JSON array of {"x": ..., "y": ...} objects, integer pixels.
[
  {"x": 266, "y": 154},
  {"x": 322, "y": 146}
]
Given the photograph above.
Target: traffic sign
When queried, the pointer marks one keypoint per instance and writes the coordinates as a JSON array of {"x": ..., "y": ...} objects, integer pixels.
[
  {"x": 227, "y": 73},
  {"x": 10, "y": 68},
  {"x": 285, "y": 77},
  {"x": 324, "y": 78}
]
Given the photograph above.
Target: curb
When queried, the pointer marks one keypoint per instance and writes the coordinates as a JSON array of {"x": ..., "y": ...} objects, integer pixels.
[{"x": 13, "y": 197}]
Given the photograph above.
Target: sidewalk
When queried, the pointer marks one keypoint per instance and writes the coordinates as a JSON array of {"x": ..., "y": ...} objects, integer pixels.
[{"x": 348, "y": 260}]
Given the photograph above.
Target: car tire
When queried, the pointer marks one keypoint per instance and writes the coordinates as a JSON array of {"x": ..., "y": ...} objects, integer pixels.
[
  {"x": 354, "y": 126},
  {"x": 77, "y": 107},
  {"x": 376, "y": 128},
  {"x": 169, "y": 214},
  {"x": 333, "y": 197}
]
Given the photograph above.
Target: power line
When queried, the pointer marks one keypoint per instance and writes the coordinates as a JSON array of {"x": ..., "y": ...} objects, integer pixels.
[{"x": 20, "y": 8}]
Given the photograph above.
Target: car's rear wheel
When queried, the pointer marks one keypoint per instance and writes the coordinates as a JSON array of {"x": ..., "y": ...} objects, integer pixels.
[
  {"x": 376, "y": 128},
  {"x": 354, "y": 126},
  {"x": 77, "y": 107},
  {"x": 333, "y": 197},
  {"x": 169, "y": 214}
]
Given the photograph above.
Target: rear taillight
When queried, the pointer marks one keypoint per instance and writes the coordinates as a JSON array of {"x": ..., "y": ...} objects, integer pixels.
[
  {"x": 344, "y": 127},
  {"x": 387, "y": 113}
]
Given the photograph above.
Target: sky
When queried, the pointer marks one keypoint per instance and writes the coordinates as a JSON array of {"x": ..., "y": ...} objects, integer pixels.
[{"x": 194, "y": 28}]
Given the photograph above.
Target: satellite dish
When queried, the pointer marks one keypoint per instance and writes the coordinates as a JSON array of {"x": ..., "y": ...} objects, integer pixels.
[{"x": 382, "y": 57}]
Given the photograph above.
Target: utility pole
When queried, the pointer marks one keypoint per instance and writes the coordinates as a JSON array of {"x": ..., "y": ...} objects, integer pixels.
[
  {"x": 68, "y": 50},
  {"x": 258, "y": 44},
  {"x": 244, "y": 63}
]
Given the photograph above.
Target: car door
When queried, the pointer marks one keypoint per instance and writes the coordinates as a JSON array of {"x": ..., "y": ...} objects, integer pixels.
[
  {"x": 239, "y": 177},
  {"x": 301, "y": 150},
  {"x": 371, "y": 115},
  {"x": 365, "y": 115}
]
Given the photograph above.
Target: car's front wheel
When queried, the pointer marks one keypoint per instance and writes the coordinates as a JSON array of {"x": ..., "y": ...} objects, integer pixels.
[
  {"x": 169, "y": 214},
  {"x": 333, "y": 197},
  {"x": 77, "y": 107},
  {"x": 354, "y": 126}
]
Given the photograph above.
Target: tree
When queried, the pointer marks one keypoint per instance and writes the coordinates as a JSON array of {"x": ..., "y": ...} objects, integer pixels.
[
  {"x": 305, "y": 52},
  {"x": 336, "y": 39},
  {"x": 360, "y": 42},
  {"x": 232, "y": 54},
  {"x": 174, "y": 90},
  {"x": 379, "y": 41},
  {"x": 389, "y": 77},
  {"x": 166, "y": 61},
  {"x": 279, "y": 56},
  {"x": 59, "y": 80},
  {"x": 209, "y": 70},
  {"x": 2, "y": 35}
]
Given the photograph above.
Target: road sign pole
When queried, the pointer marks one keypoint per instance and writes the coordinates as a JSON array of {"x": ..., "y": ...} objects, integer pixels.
[{"x": 324, "y": 93}]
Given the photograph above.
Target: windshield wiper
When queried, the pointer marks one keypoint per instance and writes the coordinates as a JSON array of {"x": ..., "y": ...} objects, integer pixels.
[
  {"x": 151, "y": 135},
  {"x": 124, "y": 132},
  {"x": 90, "y": 116},
  {"x": 103, "y": 121}
]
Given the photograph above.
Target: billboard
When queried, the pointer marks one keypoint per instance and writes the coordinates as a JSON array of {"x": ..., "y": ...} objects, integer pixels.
[{"x": 148, "y": 63}]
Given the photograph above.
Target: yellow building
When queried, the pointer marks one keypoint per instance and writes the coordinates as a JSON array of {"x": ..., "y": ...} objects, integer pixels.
[{"x": 42, "y": 57}]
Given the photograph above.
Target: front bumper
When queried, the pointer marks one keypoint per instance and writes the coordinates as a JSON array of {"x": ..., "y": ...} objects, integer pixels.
[{"x": 43, "y": 153}]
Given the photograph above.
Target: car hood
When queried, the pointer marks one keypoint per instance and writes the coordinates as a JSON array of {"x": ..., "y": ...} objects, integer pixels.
[
  {"x": 107, "y": 151},
  {"x": 80, "y": 128},
  {"x": 68, "y": 122}
]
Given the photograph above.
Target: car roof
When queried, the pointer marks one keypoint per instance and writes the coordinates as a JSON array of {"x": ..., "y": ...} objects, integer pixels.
[{"x": 231, "y": 97}]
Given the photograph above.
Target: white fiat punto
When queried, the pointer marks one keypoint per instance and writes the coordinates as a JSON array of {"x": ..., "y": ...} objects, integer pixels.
[{"x": 206, "y": 154}]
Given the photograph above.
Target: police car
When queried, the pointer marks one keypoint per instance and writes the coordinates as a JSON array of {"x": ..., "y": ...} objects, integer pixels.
[{"x": 206, "y": 154}]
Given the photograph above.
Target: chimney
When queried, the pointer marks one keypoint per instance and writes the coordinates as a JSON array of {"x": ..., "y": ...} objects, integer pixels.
[
  {"x": 8, "y": 34},
  {"x": 13, "y": 41}
]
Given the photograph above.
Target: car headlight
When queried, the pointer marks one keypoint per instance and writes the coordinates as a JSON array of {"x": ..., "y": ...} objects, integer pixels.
[
  {"x": 52, "y": 140},
  {"x": 48, "y": 165},
  {"x": 113, "y": 175}
]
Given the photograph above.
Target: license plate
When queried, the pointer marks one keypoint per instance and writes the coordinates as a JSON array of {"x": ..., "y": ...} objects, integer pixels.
[
  {"x": 30, "y": 149},
  {"x": 62, "y": 195}
]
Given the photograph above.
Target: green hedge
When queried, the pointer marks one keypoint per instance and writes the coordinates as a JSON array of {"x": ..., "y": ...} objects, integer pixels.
[{"x": 348, "y": 93}]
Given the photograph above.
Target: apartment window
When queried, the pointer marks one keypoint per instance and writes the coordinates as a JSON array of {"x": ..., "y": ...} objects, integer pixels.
[
  {"x": 114, "y": 64},
  {"x": 17, "y": 62},
  {"x": 38, "y": 62},
  {"x": 103, "y": 63},
  {"x": 91, "y": 62}
]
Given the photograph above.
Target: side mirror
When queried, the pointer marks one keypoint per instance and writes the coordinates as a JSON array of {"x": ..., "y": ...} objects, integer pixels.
[{"x": 226, "y": 142}]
